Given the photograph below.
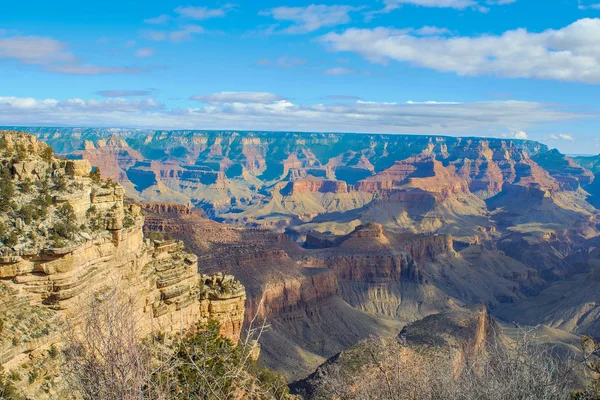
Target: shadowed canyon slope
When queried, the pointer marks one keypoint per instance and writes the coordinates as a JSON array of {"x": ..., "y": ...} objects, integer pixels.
[{"x": 340, "y": 236}]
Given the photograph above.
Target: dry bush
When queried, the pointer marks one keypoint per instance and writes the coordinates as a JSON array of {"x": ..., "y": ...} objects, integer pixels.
[
  {"x": 389, "y": 370},
  {"x": 105, "y": 359}
]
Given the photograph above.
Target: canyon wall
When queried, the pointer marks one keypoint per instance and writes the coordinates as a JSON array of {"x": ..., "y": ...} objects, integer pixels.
[{"x": 67, "y": 236}]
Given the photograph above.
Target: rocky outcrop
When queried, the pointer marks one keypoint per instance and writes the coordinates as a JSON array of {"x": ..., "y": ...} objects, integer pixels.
[
  {"x": 167, "y": 209},
  {"x": 314, "y": 186},
  {"x": 425, "y": 173},
  {"x": 112, "y": 155},
  {"x": 464, "y": 330},
  {"x": 294, "y": 298},
  {"x": 423, "y": 248},
  {"x": 49, "y": 273},
  {"x": 456, "y": 336},
  {"x": 569, "y": 174}
]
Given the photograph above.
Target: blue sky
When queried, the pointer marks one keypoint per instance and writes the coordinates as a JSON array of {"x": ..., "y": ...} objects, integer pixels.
[{"x": 502, "y": 68}]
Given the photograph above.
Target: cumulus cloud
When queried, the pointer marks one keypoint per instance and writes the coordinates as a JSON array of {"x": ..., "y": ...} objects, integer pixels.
[
  {"x": 204, "y": 12},
  {"x": 238, "y": 97},
  {"x": 516, "y": 135},
  {"x": 123, "y": 93},
  {"x": 310, "y": 18},
  {"x": 338, "y": 71},
  {"x": 568, "y": 54},
  {"x": 267, "y": 111},
  {"x": 145, "y": 52}
]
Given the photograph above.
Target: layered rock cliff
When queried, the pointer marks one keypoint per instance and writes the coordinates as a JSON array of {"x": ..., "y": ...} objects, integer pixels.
[{"x": 67, "y": 235}]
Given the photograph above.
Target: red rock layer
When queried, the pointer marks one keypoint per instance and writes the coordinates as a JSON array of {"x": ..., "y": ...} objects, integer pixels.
[{"x": 314, "y": 186}]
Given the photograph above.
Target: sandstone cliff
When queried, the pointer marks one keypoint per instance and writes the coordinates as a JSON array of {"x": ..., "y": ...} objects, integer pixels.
[{"x": 66, "y": 235}]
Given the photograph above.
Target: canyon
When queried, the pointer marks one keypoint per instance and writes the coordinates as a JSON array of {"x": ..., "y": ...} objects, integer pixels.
[{"x": 339, "y": 237}]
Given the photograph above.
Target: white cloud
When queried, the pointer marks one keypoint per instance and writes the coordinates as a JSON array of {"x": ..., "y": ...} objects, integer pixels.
[
  {"x": 154, "y": 35},
  {"x": 185, "y": 33},
  {"x": 54, "y": 56},
  {"x": 84, "y": 69},
  {"x": 341, "y": 97},
  {"x": 160, "y": 20},
  {"x": 282, "y": 62},
  {"x": 310, "y": 18},
  {"x": 432, "y": 31},
  {"x": 516, "y": 135},
  {"x": 593, "y": 6},
  {"x": 431, "y": 102},
  {"x": 35, "y": 50},
  {"x": 457, "y": 4},
  {"x": 287, "y": 62},
  {"x": 338, "y": 71},
  {"x": 130, "y": 43},
  {"x": 260, "y": 111},
  {"x": 561, "y": 136},
  {"x": 478, "y": 5},
  {"x": 145, "y": 52},
  {"x": 204, "y": 12},
  {"x": 568, "y": 54},
  {"x": 74, "y": 106},
  {"x": 238, "y": 97},
  {"x": 123, "y": 93}
]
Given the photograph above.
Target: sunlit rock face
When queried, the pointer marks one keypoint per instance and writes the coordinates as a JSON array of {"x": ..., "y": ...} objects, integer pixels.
[{"x": 47, "y": 274}]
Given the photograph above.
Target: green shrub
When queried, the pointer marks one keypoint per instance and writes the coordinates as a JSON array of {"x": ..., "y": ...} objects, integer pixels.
[
  {"x": 20, "y": 152},
  {"x": 7, "y": 189},
  {"x": 11, "y": 239},
  {"x": 95, "y": 176},
  {"x": 25, "y": 186},
  {"x": 47, "y": 154},
  {"x": 28, "y": 214},
  {"x": 53, "y": 351},
  {"x": 8, "y": 391},
  {"x": 61, "y": 183}
]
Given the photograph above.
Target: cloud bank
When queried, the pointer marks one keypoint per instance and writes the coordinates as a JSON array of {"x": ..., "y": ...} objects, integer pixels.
[
  {"x": 268, "y": 111},
  {"x": 568, "y": 54}
]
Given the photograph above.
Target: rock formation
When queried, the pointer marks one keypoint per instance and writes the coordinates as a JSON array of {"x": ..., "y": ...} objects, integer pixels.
[
  {"x": 456, "y": 336},
  {"x": 67, "y": 235}
]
